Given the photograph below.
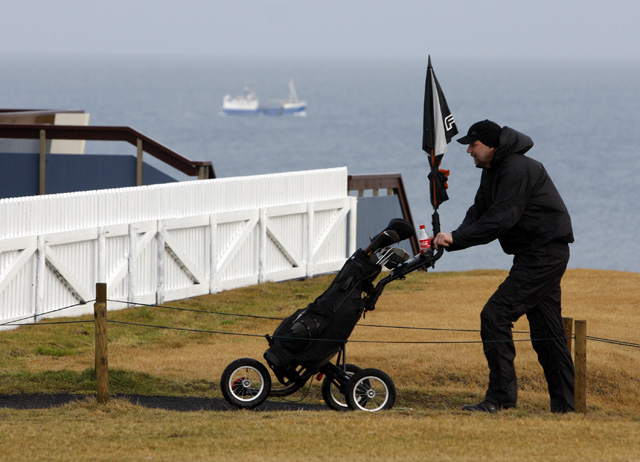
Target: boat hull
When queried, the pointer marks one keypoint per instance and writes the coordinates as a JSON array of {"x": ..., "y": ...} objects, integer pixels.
[
  {"x": 243, "y": 112},
  {"x": 285, "y": 109}
]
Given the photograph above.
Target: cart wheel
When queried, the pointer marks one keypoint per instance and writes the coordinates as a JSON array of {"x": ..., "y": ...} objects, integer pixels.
[
  {"x": 245, "y": 383},
  {"x": 332, "y": 393},
  {"x": 370, "y": 390}
]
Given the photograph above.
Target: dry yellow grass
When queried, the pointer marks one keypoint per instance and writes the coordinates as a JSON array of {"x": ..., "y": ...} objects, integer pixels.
[
  {"x": 121, "y": 431},
  {"x": 433, "y": 381}
]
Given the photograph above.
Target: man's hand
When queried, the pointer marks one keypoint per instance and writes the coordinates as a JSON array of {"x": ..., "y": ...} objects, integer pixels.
[{"x": 442, "y": 239}]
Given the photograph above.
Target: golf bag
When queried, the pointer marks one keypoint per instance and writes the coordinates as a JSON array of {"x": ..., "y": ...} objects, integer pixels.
[{"x": 311, "y": 336}]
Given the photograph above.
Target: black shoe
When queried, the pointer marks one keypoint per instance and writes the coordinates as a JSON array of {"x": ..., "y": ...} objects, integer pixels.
[{"x": 484, "y": 406}]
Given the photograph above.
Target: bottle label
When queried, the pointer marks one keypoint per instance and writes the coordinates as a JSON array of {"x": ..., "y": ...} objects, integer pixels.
[{"x": 424, "y": 239}]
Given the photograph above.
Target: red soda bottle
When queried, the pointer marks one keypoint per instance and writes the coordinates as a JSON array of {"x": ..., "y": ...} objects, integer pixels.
[{"x": 425, "y": 244}]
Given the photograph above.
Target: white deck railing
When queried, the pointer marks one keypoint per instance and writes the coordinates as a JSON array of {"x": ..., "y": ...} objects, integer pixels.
[{"x": 165, "y": 242}]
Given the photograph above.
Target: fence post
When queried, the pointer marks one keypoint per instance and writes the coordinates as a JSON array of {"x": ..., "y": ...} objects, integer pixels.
[
  {"x": 262, "y": 245},
  {"x": 102, "y": 364},
  {"x": 310, "y": 238},
  {"x": 160, "y": 255},
  {"x": 139, "y": 163},
  {"x": 568, "y": 331},
  {"x": 41, "y": 265},
  {"x": 132, "y": 264},
  {"x": 353, "y": 218},
  {"x": 580, "y": 363},
  {"x": 213, "y": 254},
  {"x": 43, "y": 163}
]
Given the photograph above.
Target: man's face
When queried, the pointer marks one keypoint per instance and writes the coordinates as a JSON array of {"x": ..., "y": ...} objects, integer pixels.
[{"x": 481, "y": 153}]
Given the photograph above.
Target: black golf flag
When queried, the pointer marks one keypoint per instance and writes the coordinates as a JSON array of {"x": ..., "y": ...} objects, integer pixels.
[
  {"x": 438, "y": 123},
  {"x": 438, "y": 129}
]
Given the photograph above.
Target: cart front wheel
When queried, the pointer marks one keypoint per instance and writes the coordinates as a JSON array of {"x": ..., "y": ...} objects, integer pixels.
[
  {"x": 370, "y": 390},
  {"x": 245, "y": 383}
]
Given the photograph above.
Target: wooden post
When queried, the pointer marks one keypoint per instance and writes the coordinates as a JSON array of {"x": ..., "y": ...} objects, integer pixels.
[
  {"x": 139, "y": 163},
  {"x": 568, "y": 331},
  {"x": 43, "y": 162},
  {"x": 580, "y": 364},
  {"x": 102, "y": 364}
]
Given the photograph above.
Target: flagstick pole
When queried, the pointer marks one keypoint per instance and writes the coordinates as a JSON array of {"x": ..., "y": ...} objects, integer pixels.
[{"x": 435, "y": 217}]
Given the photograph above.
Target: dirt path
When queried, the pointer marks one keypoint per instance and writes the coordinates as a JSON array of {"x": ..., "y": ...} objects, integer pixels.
[{"x": 169, "y": 403}]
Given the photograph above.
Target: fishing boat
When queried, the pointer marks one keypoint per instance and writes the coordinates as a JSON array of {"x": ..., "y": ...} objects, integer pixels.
[
  {"x": 246, "y": 104},
  {"x": 293, "y": 105}
]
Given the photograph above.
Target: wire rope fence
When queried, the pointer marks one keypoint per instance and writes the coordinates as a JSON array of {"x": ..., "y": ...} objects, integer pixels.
[
  {"x": 100, "y": 320},
  {"x": 19, "y": 323}
]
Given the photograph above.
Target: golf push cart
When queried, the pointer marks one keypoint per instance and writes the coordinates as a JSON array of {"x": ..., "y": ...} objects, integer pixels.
[{"x": 305, "y": 343}]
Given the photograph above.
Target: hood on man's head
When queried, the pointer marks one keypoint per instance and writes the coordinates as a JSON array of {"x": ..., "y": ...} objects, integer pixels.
[
  {"x": 485, "y": 131},
  {"x": 513, "y": 141}
]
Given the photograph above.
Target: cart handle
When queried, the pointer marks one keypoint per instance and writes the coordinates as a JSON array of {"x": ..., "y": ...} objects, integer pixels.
[{"x": 421, "y": 260}]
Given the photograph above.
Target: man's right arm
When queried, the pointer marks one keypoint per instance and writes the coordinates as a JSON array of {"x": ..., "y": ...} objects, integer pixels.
[{"x": 473, "y": 214}]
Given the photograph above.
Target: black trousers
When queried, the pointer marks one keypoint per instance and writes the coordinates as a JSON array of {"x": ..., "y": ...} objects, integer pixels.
[{"x": 532, "y": 289}]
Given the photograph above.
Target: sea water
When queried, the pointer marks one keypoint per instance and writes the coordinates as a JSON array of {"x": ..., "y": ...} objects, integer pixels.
[{"x": 584, "y": 117}]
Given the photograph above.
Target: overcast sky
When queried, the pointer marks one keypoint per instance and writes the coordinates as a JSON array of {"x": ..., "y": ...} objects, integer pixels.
[{"x": 401, "y": 28}]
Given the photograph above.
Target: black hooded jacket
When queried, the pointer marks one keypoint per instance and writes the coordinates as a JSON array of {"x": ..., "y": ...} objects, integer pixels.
[{"x": 516, "y": 202}]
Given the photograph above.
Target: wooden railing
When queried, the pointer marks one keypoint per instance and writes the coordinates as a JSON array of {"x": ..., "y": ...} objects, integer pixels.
[
  {"x": 392, "y": 183},
  {"x": 44, "y": 132}
]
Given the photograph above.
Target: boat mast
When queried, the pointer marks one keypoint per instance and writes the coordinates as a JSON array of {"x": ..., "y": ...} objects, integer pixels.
[{"x": 293, "y": 97}]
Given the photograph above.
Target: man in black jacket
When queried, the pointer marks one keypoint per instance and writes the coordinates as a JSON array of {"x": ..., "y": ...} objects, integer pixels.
[{"x": 518, "y": 204}]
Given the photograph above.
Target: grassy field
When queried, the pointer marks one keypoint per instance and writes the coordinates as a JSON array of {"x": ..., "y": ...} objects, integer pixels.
[{"x": 434, "y": 376}]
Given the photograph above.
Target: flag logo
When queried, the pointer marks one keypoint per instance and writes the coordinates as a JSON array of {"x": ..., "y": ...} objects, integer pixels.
[{"x": 449, "y": 123}]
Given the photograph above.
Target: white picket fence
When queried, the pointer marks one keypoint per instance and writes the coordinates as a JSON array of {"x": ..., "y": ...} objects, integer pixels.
[{"x": 166, "y": 242}]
